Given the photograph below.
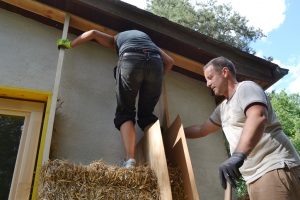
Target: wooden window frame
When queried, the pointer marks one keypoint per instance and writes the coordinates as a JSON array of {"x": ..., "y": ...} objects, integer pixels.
[
  {"x": 26, "y": 158},
  {"x": 35, "y": 96}
]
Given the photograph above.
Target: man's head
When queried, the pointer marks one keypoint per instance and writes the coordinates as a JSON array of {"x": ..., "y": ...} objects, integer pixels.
[
  {"x": 220, "y": 62},
  {"x": 219, "y": 73}
]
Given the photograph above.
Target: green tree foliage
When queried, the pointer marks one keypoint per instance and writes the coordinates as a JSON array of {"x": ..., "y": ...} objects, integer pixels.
[
  {"x": 241, "y": 190},
  {"x": 179, "y": 11},
  {"x": 287, "y": 109},
  {"x": 217, "y": 21}
]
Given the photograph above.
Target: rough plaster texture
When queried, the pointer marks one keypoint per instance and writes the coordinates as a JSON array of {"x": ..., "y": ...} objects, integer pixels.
[
  {"x": 87, "y": 97},
  {"x": 28, "y": 52},
  {"x": 84, "y": 129}
]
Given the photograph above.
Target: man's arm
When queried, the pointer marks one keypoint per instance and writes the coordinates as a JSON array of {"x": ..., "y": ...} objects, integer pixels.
[
  {"x": 253, "y": 128},
  {"x": 100, "y": 37},
  {"x": 202, "y": 130},
  {"x": 167, "y": 60}
]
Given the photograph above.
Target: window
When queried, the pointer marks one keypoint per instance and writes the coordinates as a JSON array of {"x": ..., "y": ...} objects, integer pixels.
[{"x": 20, "y": 124}]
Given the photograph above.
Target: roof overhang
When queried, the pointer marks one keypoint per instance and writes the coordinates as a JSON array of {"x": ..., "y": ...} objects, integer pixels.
[{"x": 190, "y": 49}]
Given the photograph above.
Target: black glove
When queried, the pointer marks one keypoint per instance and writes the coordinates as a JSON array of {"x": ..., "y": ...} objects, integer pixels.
[{"x": 229, "y": 170}]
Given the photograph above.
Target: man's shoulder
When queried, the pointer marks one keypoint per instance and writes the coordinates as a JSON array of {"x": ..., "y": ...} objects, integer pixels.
[{"x": 247, "y": 84}]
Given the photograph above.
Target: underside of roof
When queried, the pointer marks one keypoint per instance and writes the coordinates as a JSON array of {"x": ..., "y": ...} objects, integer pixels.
[{"x": 190, "y": 48}]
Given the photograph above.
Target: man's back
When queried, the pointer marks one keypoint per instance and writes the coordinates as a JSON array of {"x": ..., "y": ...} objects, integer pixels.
[{"x": 134, "y": 40}]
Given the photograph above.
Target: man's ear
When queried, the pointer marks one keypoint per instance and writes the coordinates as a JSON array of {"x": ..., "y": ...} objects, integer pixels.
[{"x": 225, "y": 72}]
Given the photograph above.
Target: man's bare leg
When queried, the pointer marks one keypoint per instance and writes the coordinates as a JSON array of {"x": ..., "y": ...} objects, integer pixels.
[{"x": 128, "y": 134}]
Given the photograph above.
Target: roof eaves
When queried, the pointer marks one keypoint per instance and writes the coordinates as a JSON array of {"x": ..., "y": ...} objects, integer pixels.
[{"x": 120, "y": 16}]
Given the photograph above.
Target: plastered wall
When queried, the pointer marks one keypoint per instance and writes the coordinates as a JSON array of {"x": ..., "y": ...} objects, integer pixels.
[
  {"x": 27, "y": 52},
  {"x": 84, "y": 129},
  {"x": 84, "y": 124}
]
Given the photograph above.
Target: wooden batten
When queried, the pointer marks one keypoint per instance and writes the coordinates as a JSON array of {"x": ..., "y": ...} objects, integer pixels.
[
  {"x": 55, "y": 93},
  {"x": 187, "y": 64},
  {"x": 177, "y": 153},
  {"x": 151, "y": 150},
  {"x": 163, "y": 114}
]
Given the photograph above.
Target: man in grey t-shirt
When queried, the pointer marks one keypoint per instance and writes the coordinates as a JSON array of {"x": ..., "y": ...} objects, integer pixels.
[{"x": 260, "y": 151}]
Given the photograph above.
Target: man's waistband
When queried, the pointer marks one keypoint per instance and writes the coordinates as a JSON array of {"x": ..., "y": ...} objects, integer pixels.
[
  {"x": 141, "y": 51},
  {"x": 149, "y": 54}
]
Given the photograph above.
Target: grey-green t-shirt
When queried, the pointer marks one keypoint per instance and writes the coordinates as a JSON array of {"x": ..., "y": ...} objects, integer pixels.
[
  {"x": 134, "y": 40},
  {"x": 274, "y": 150}
]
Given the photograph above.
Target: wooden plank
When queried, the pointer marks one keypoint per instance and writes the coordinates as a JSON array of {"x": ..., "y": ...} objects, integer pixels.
[
  {"x": 24, "y": 185},
  {"x": 85, "y": 25},
  {"x": 154, "y": 153},
  {"x": 39, "y": 8},
  {"x": 55, "y": 93},
  {"x": 178, "y": 154},
  {"x": 164, "y": 116},
  {"x": 19, "y": 162},
  {"x": 186, "y": 63},
  {"x": 41, "y": 151},
  {"x": 24, "y": 93}
]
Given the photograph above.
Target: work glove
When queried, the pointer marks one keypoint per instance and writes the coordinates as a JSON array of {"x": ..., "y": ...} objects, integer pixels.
[
  {"x": 229, "y": 170},
  {"x": 63, "y": 43}
]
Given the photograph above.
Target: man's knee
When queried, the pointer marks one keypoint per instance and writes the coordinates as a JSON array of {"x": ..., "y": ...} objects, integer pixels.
[{"x": 119, "y": 120}]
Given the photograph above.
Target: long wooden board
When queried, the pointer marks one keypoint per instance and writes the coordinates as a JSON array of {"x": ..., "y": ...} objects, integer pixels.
[
  {"x": 151, "y": 150},
  {"x": 55, "y": 92},
  {"x": 178, "y": 154},
  {"x": 163, "y": 114}
]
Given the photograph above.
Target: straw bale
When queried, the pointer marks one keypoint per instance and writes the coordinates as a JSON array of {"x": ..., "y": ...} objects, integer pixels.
[
  {"x": 63, "y": 180},
  {"x": 176, "y": 182}
]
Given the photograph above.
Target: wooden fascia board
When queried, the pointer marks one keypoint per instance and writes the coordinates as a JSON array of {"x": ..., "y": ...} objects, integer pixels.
[{"x": 84, "y": 25}]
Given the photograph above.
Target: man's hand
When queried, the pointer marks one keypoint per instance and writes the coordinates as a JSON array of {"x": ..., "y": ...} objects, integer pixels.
[
  {"x": 229, "y": 170},
  {"x": 63, "y": 43}
]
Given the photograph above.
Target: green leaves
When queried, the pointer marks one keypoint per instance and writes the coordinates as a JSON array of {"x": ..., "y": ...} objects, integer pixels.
[
  {"x": 179, "y": 11},
  {"x": 287, "y": 109},
  {"x": 217, "y": 21}
]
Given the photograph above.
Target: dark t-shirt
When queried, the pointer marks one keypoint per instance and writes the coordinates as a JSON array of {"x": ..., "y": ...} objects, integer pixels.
[{"x": 134, "y": 40}]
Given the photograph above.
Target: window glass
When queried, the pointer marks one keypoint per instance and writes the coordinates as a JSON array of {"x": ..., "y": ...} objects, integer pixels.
[{"x": 10, "y": 135}]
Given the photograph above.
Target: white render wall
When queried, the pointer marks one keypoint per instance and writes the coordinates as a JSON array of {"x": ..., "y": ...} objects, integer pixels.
[
  {"x": 27, "y": 52},
  {"x": 84, "y": 129}
]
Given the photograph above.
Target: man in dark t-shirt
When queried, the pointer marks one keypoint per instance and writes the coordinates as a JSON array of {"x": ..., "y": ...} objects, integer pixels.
[{"x": 140, "y": 70}]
